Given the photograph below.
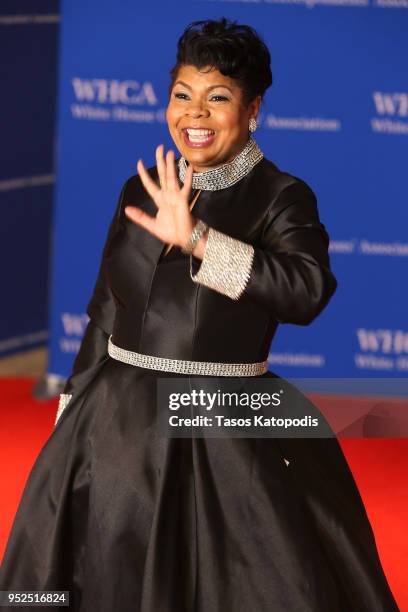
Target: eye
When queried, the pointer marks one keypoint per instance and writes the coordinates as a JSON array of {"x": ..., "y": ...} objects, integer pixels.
[
  {"x": 181, "y": 96},
  {"x": 218, "y": 98}
]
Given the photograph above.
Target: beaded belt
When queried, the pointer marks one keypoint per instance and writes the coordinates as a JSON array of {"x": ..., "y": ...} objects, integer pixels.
[{"x": 182, "y": 366}]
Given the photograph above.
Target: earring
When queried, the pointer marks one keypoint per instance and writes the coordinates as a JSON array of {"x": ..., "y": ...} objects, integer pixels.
[{"x": 252, "y": 125}]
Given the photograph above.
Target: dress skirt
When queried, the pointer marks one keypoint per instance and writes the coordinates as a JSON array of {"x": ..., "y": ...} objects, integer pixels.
[{"x": 128, "y": 520}]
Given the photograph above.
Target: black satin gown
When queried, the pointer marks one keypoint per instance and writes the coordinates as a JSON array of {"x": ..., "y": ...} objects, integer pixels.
[{"x": 129, "y": 521}]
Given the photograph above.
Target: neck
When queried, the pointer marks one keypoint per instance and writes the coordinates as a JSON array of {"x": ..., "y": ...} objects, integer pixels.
[
  {"x": 228, "y": 173},
  {"x": 199, "y": 168}
]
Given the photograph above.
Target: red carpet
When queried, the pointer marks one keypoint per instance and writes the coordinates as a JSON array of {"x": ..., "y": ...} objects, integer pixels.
[{"x": 380, "y": 467}]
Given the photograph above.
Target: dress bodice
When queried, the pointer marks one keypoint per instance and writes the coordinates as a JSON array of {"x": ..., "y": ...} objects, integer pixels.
[{"x": 152, "y": 305}]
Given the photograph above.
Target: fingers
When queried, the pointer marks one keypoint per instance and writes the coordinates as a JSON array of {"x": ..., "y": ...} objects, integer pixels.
[
  {"x": 188, "y": 181},
  {"x": 168, "y": 176},
  {"x": 152, "y": 189},
  {"x": 141, "y": 218},
  {"x": 161, "y": 166},
  {"x": 171, "y": 177}
]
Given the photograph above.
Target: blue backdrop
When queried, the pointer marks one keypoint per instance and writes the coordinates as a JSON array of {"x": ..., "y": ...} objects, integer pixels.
[
  {"x": 28, "y": 77},
  {"x": 336, "y": 116}
]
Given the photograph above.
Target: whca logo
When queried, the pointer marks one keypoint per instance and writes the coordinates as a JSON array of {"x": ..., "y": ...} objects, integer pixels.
[
  {"x": 383, "y": 341},
  {"x": 112, "y": 91},
  {"x": 74, "y": 324},
  {"x": 391, "y": 104}
]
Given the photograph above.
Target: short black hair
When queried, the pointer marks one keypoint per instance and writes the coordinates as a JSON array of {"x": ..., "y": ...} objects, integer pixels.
[{"x": 236, "y": 50}]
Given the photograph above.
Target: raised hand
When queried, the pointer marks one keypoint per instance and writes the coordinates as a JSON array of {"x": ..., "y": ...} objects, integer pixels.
[{"x": 173, "y": 222}]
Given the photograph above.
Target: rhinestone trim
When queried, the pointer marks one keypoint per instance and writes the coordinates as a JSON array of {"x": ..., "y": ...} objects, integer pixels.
[
  {"x": 182, "y": 366},
  {"x": 199, "y": 230},
  {"x": 226, "y": 265},
  {"x": 64, "y": 399},
  {"x": 227, "y": 174}
]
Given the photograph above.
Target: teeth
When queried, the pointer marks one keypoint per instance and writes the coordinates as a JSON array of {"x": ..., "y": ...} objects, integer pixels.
[
  {"x": 196, "y": 135},
  {"x": 192, "y": 132}
]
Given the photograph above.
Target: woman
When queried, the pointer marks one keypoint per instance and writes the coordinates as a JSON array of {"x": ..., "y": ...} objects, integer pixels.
[{"x": 203, "y": 260}]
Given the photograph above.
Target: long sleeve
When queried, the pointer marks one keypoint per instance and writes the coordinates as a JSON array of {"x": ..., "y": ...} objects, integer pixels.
[
  {"x": 287, "y": 272},
  {"x": 101, "y": 309}
]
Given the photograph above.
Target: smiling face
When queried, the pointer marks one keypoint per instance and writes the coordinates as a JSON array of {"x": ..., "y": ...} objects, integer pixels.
[{"x": 207, "y": 117}]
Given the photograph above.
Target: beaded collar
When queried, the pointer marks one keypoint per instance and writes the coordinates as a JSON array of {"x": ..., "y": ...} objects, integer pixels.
[{"x": 227, "y": 174}]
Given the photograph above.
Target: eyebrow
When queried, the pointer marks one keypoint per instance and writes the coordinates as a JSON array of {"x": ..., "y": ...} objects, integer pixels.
[{"x": 208, "y": 88}]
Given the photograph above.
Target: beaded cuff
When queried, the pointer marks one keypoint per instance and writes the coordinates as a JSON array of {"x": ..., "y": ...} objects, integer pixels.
[
  {"x": 226, "y": 265},
  {"x": 64, "y": 399}
]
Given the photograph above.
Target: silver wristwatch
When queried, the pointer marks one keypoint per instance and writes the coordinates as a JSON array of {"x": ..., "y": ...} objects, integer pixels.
[{"x": 199, "y": 230}]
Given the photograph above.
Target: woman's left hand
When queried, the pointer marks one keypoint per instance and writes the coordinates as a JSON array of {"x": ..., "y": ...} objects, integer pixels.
[{"x": 173, "y": 222}]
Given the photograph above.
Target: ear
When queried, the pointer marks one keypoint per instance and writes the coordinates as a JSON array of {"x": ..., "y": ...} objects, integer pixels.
[{"x": 254, "y": 106}]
